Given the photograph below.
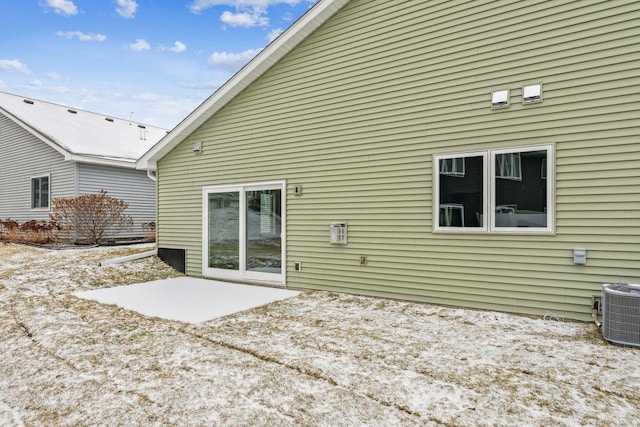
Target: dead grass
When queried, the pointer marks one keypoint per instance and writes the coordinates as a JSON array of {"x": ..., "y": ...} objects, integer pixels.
[{"x": 317, "y": 359}]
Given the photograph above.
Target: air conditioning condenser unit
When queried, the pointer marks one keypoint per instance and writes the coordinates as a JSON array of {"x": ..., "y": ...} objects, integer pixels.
[{"x": 621, "y": 313}]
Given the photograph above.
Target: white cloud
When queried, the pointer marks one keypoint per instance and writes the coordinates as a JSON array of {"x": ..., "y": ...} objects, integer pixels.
[
  {"x": 201, "y": 85},
  {"x": 248, "y": 13},
  {"x": 197, "y": 6},
  {"x": 254, "y": 18},
  {"x": 36, "y": 83},
  {"x": 273, "y": 34},
  {"x": 13, "y": 65},
  {"x": 178, "y": 47},
  {"x": 140, "y": 45},
  {"x": 63, "y": 7},
  {"x": 127, "y": 8},
  {"x": 148, "y": 96},
  {"x": 59, "y": 89},
  {"x": 232, "y": 60},
  {"x": 162, "y": 109},
  {"x": 53, "y": 75},
  {"x": 84, "y": 37}
]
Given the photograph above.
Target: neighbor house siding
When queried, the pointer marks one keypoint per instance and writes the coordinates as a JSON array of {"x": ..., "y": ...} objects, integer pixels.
[
  {"x": 22, "y": 157},
  {"x": 132, "y": 186},
  {"x": 356, "y": 113}
]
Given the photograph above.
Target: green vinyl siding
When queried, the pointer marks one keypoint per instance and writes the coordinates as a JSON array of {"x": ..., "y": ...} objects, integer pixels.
[{"x": 357, "y": 111}]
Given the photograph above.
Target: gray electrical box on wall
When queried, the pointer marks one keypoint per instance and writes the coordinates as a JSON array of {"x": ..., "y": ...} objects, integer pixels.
[{"x": 579, "y": 256}]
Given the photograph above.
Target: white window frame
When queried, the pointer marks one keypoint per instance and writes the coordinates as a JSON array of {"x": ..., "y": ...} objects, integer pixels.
[
  {"x": 436, "y": 192},
  {"x": 31, "y": 199},
  {"x": 490, "y": 175},
  {"x": 549, "y": 183},
  {"x": 242, "y": 274}
]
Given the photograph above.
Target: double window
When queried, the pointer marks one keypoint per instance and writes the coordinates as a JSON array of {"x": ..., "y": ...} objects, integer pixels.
[
  {"x": 40, "y": 192},
  {"x": 501, "y": 190}
]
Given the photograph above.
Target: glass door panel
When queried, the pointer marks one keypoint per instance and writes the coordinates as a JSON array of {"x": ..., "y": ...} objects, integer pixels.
[
  {"x": 263, "y": 231},
  {"x": 224, "y": 230},
  {"x": 243, "y": 234}
]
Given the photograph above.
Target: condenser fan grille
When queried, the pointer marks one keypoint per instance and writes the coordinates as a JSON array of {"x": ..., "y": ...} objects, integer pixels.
[{"x": 621, "y": 313}]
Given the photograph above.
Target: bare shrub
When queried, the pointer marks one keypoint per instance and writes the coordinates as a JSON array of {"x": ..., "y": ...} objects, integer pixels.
[
  {"x": 9, "y": 230},
  {"x": 149, "y": 229},
  {"x": 30, "y": 231},
  {"x": 8, "y": 226},
  {"x": 39, "y": 231},
  {"x": 94, "y": 217}
]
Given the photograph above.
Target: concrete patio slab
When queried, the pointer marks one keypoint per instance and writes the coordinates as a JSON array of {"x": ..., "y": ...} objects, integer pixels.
[{"x": 187, "y": 299}]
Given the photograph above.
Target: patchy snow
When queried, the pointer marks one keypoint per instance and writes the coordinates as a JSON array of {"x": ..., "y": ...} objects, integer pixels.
[
  {"x": 82, "y": 132},
  {"x": 187, "y": 299},
  {"x": 316, "y": 359}
]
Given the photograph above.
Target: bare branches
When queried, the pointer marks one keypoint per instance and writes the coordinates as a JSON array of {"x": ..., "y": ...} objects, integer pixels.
[{"x": 94, "y": 217}]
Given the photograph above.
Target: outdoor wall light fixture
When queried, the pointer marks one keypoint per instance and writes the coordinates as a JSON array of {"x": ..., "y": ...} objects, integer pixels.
[
  {"x": 500, "y": 99},
  {"x": 197, "y": 147},
  {"x": 532, "y": 93}
]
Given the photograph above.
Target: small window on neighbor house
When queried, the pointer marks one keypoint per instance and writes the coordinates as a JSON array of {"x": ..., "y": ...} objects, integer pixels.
[{"x": 40, "y": 192}]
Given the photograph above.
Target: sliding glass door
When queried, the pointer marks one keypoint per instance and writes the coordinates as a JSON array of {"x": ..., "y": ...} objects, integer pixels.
[
  {"x": 243, "y": 236},
  {"x": 224, "y": 230},
  {"x": 264, "y": 229}
]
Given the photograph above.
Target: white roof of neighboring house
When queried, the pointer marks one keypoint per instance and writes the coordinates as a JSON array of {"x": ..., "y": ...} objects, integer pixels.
[
  {"x": 300, "y": 30},
  {"x": 80, "y": 135}
]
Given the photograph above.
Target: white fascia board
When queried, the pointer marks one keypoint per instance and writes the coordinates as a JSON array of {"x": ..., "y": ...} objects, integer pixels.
[
  {"x": 270, "y": 55},
  {"x": 78, "y": 158}
]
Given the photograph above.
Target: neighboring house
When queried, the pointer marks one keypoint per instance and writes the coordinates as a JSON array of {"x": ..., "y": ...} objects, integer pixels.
[
  {"x": 51, "y": 151},
  {"x": 458, "y": 153}
]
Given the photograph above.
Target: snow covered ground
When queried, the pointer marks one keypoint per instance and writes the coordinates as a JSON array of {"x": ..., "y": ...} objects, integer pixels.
[
  {"x": 188, "y": 299},
  {"x": 316, "y": 359}
]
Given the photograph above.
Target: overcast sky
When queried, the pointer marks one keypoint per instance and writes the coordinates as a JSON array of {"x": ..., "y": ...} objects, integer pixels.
[{"x": 157, "y": 59}]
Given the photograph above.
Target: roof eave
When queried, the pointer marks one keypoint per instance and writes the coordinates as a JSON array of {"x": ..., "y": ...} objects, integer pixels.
[
  {"x": 68, "y": 155},
  {"x": 285, "y": 43},
  {"x": 102, "y": 161}
]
